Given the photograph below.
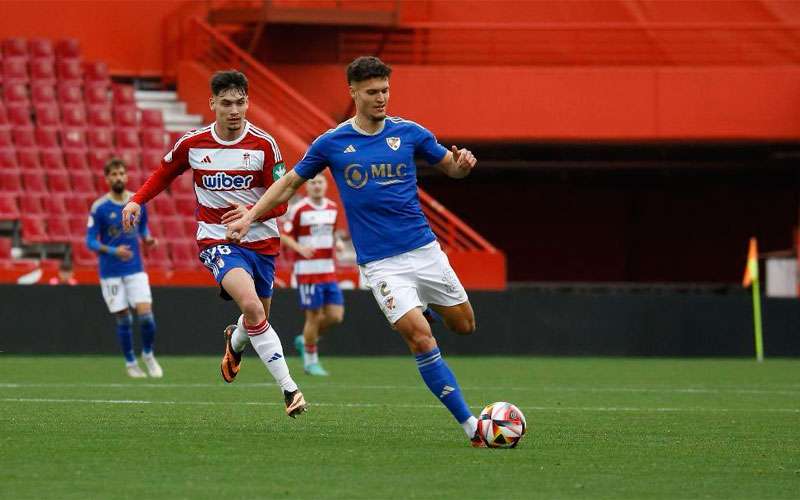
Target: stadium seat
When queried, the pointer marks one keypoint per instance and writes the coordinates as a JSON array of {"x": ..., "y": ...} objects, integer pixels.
[
  {"x": 131, "y": 159},
  {"x": 73, "y": 138},
  {"x": 96, "y": 72},
  {"x": 28, "y": 158},
  {"x": 185, "y": 205},
  {"x": 96, "y": 93},
  {"x": 23, "y": 136},
  {"x": 126, "y": 116},
  {"x": 98, "y": 158},
  {"x": 153, "y": 138},
  {"x": 127, "y": 138},
  {"x": 8, "y": 206},
  {"x": 58, "y": 228},
  {"x": 40, "y": 47},
  {"x": 81, "y": 255},
  {"x": 68, "y": 48},
  {"x": 157, "y": 258},
  {"x": 152, "y": 118},
  {"x": 18, "y": 114},
  {"x": 5, "y": 137},
  {"x": 99, "y": 115},
  {"x": 51, "y": 158},
  {"x": 100, "y": 183},
  {"x": 54, "y": 204},
  {"x": 190, "y": 227},
  {"x": 69, "y": 93},
  {"x": 33, "y": 229},
  {"x": 42, "y": 71},
  {"x": 99, "y": 137},
  {"x": 73, "y": 115},
  {"x": 124, "y": 95},
  {"x": 10, "y": 180},
  {"x": 15, "y": 93},
  {"x": 3, "y": 115},
  {"x": 163, "y": 206},
  {"x": 183, "y": 184},
  {"x": 69, "y": 70},
  {"x": 31, "y": 204},
  {"x": 15, "y": 47},
  {"x": 184, "y": 255},
  {"x": 77, "y": 224},
  {"x": 8, "y": 157},
  {"x": 82, "y": 182},
  {"x": 58, "y": 181},
  {"x": 42, "y": 92},
  {"x": 173, "y": 228},
  {"x": 15, "y": 70},
  {"x": 47, "y": 115},
  {"x": 75, "y": 159},
  {"x": 47, "y": 137},
  {"x": 79, "y": 203},
  {"x": 151, "y": 159},
  {"x": 134, "y": 180},
  {"x": 34, "y": 182},
  {"x": 154, "y": 225}
]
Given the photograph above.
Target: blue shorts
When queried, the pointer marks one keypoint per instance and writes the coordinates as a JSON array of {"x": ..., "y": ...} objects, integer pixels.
[
  {"x": 316, "y": 295},
  {"x": 220, "y": 259}
]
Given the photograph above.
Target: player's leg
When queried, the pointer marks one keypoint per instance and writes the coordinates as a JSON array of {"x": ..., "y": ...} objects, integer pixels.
[
  {"x": 311, "y": 331},
  {"x": 117, "y": 302},
  {"x": 459, "y": 318},
  {"x": 137, "y": 287},
  {"x": 440, "y": 288}
]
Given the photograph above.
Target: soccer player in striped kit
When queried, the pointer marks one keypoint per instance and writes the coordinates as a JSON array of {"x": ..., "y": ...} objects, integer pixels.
[
  {"x": 371, "y": 158},
  {"x": 311, "y": 233},
  {"x": 233, "y": 163}
]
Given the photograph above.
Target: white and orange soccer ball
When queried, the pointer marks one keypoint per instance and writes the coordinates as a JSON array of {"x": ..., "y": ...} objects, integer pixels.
[{"x": 501, "y": 425}]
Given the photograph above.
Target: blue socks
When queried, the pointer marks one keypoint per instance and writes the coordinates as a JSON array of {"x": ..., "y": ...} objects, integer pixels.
[
  {"x": 147, "y": 324},
  {"x": 442, "y": 383},
  {"x": 124, "y": 327}
]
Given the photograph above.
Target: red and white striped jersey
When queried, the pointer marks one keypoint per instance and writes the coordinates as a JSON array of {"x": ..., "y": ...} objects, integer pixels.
[
  {"x": 313, "y": 227},
  {"x": 225, "y": 173}
]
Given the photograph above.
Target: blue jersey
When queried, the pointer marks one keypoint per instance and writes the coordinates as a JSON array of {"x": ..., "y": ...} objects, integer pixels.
[
  {"x": 105, "y": 221},
  {"x": 377, "y": 180}
]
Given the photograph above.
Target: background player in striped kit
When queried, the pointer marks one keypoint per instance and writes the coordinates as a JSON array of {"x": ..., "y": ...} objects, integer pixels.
[
  {"x": 311, "y": 233},
  {"x": 123, "y": 281},
  {"x": 372, "y": 159},
  {"x": 232, "y": 163}
]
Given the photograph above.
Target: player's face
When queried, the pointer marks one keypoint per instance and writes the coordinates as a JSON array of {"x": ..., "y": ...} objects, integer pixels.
[
  {"x": 117, "y": 179},
  {"x": 371, "y": 97},
  {"x": 230, "y": 107},
  {"x": 316, "y": 187}
]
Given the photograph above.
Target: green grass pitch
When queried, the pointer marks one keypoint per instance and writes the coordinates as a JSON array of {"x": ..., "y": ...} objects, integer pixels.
[{"x": 76, "y": 427}]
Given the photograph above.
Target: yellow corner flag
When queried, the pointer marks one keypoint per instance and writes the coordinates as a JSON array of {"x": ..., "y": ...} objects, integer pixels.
[{"x": 751, "y": 278}]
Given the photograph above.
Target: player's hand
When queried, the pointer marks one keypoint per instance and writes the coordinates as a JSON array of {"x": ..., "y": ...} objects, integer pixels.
[
  {"x": 150, "y": 242},
  {"x": 233, "y": 215},
  {"x": 464, "y": 159},
  {"x": 238, "y": 229},
  {"x": 130, "y": 215},
  {"x": 306, "y": 252},
  {"x": 123, "y": 253}
]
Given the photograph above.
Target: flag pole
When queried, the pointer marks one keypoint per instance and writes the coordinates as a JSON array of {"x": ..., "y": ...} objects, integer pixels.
[{"x": 751, "y": 279}]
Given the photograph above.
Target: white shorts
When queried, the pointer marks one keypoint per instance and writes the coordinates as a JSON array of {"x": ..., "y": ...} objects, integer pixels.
[
  {"x": 413, "y": 279},
  {"x": 126, "y": 291}
]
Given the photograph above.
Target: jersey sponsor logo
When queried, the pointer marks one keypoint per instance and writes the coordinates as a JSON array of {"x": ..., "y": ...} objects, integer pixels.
[
  {"x": 393, "y": 142},
  {"x": 222, "y": 181},
  {"x": 356, "y": 176},
  {"x": 278, "y": 171}
]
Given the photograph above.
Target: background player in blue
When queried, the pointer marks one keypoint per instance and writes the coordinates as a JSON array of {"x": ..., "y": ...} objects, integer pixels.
[
  {"x": 123, "y": 281},
  {"x": 371, "y": 157}
]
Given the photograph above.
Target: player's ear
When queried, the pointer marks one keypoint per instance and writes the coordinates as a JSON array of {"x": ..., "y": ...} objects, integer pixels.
[
  {"x": 352, "y": 92},
  {"x": 211, "y": 103}
]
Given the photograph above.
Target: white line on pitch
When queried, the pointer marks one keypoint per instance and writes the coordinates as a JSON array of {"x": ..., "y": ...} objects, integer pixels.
[{"x": 380, "y": 405}]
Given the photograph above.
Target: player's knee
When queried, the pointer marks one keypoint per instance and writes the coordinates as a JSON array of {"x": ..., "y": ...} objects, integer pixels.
[
  {"x": 252, "y": 309},
  {"x": 336, "y": 317},
  {"x": 464, "y": 326}
]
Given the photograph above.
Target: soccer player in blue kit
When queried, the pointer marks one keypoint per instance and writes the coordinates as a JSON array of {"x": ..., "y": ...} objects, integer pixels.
[
  {"x": 371, "y": 157},
  {"x": 122, "y": 278}
]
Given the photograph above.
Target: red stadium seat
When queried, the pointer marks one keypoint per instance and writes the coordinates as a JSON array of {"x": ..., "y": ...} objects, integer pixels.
[
  {"x": 78, "y": 224},
  {"x": 58, "y": 181},
  {"x": 8, "y": 158},
  {"x": 58, "y": 228},
  {"x": 73, "y": 138},
  {"x": 153, "y": 138},
  {"x": 163, "y": 205},
  {"x": 54, "y": 204},
  {"x": 184, "y": 255},
  {"x": 79, "y": 203},
  {"x": 157, "y": 258},
  {"x": 96, "y": 72},
  {"x": 174, "y": 229},
  {"x": 31, "y": 204},
  {"x": 124, "y": 94},
  {"x": 131, "y": 159},
  {"x": 15, "y": 93},
  {"x": 69, "y": 70},
  {"x": 97, "y": 93},
  {"x": 152, "y": 118},
  {"x": 3, "y": 115},
  {"x": 33, "y": 229},
  {"x": 10, "y": 180},
  {"x": 98, "y": 159},
  {"x": 81, "y": 255},
  {"x": 73, "y": 115},
  {"x": 154, "y": 226},
  {"x": 5, "y": 138},
  {"x": 126, "y": 116},
  {"x": 47, "y": 115},
  {"x": 185, "y": 205},
  {"x": 43, "y": 71},
  {"x": 99, "y": 137},
  {"x": 42, "y": 92},
  {"x": 81, "y": 182},
  {"x": 15, "y": 70},
  {"x": 127, "y": 138},
  {"x": 8, "y": 207},
  {"x": 40, "y": 47},
  {"x": 75, "y": 159},
  {"x": 151, "y": 159},
  {"x": 15, "y": 47},
  {"x": 28, "y": 158},
  {"x": 47, "y": 137},
  {"x": 18, "y": 114},
  {"x": 34, "y": 182},
  {"x": 69, "y": 93},
  {"x": 134, "y": 180},
  {"x": 100, "y": 183},
  {"x": 190, "y": 228},
  {"x": 23, "y": 136},
  {"x": 99, "y": 115},
  {"x": 68, "y": 48},
  {"x": 51, "y": 158}
]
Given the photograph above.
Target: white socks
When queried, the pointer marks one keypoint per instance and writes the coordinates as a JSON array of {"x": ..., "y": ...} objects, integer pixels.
[
  {"x": 239, "y": 339},
  {"x": 268, "y": 346},
  {"x": 470, "y": 425}
]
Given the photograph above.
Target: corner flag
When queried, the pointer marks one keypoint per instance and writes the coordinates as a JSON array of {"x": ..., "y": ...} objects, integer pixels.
[{"x": 751, "y": 278}]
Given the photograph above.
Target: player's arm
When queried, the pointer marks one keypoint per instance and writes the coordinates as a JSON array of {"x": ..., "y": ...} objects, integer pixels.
[
  {"x": 144, "y": 230},
  {"x": 457, "y": 163},
  {"x": 289, "y": 241},
  {"x": 122, "y": 252}
]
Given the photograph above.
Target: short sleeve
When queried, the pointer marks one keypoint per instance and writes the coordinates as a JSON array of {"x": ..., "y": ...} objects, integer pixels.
[
  {"x": 427, "y": 146},
  {"x": 314, "y": 161}
]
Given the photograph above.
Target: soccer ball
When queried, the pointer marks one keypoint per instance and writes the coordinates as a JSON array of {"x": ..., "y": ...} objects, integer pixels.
[{"x": 501, "y": 425}]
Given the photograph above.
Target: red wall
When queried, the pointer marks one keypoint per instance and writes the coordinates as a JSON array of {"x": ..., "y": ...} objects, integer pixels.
[
  {"x": 579, "y": 103},
  {"x": 124, "y": 33}
]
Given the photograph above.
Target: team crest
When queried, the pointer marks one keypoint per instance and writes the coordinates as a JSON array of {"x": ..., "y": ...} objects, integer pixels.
[
  {"x": 393, "y": 142},
  {"x": 389, "y": 303}
]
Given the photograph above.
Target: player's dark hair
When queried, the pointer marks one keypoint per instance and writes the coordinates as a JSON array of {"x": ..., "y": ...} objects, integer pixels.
[
  {"x": 113, "y": 164},
  {"x": 366, "y": 67},
  {"x": 232, "y": 79}
]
